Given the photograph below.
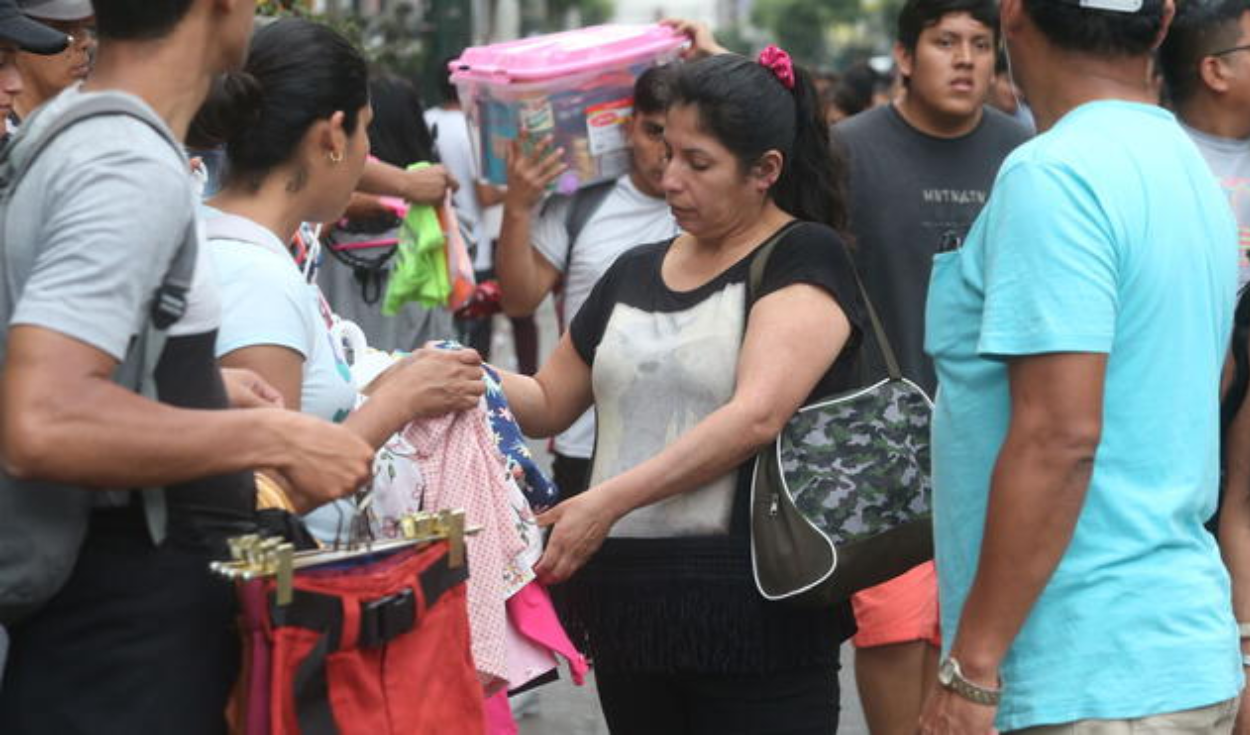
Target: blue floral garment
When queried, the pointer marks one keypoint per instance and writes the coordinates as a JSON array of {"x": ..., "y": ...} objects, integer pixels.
[{"x": 541, "y": 492}]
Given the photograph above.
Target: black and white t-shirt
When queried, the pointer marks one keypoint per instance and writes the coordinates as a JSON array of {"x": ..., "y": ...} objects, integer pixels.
[
  {"x": 663, "y": 360},
  {"x": 625, "y": 218}
]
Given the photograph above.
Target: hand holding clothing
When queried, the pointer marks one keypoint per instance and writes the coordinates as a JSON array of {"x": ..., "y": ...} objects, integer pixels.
[
  {"x": 429, "y": 185},
  {"x": 579, "y": 526},
  {"x": 432, "y": 382}
]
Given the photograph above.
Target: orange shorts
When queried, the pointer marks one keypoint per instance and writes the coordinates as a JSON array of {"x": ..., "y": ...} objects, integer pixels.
[{"x": 899, "y": 611}]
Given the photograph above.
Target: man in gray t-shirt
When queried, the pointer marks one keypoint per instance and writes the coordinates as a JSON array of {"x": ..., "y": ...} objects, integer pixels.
[
  {"x": 920, "y": 170},
  {"x": 1203, "y": 60},
  {"x": 138, "y": 639}
]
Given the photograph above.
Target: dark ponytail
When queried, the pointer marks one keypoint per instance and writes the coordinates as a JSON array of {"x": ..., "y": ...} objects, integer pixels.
[
  {"x": 810, "y": 183},
  {"x": 748, "y": 109},
  {"x": 234, "y": 104},
  {"x": 298, "y": 72}
]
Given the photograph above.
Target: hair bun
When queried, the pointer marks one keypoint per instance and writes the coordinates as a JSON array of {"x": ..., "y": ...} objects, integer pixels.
[{"x": 233, "y": 106}]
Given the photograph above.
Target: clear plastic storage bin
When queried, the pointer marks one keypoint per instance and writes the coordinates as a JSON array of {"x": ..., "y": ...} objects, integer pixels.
[{"x": 577, "y": 86}]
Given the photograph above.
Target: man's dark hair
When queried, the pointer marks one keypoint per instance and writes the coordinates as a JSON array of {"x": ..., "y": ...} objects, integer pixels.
[
  {"x": 138, "y": 20},
  {"x": 854, "y": 92},
  {"x": 1200, "y": 28},
  {"x": 1097, "y": 32},
  {"x": 653, "y": 90},
  {"x": 918, "y": 15}
]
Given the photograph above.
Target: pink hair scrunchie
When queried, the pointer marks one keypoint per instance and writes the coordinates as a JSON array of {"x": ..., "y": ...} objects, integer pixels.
[{"x": 778, "y": 62}]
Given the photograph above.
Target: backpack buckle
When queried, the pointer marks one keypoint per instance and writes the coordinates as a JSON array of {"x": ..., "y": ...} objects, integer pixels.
[{"x": 169, "y": 306}]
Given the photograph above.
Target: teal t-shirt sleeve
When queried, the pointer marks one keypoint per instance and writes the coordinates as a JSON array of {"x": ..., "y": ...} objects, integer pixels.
[
  {"x": 262, "y": 307},
  {"x": 1050, "y": 266}
]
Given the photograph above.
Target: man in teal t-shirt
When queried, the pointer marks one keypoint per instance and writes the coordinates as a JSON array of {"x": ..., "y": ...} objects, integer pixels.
[{"x": 1078, "y": 336}]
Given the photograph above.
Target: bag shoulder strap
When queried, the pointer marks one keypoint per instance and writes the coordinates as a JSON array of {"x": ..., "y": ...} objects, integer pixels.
[
  {"x": 756, "y": 280},
  {"x": 169, "y": 302},
  {"x": 584, "y": 205}
]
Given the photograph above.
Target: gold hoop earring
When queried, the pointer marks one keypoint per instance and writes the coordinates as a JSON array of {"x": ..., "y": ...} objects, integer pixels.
[{"x": 336, "y": 157}]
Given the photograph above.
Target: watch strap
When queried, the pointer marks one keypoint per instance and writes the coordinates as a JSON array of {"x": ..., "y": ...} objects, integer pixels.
[{"x": 955, "y": 681}]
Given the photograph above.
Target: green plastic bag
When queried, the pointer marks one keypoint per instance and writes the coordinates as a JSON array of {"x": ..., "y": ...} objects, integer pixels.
[{"x": 420, "y": 270}]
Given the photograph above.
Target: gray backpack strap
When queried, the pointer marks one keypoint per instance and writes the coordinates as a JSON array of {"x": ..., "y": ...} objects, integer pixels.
[
  {"x": 169, "y": 303},
  {"x": 585, "y": 203},
  {"x": 138, "y": 370}
]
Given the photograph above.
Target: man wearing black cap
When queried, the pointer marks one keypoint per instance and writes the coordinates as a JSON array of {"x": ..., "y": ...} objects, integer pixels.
[
  {"x": 1079, "y": 334},
  {"x": 44, "y": 77},
  {"x": 19, "y": 34},
  {"x": 130, "y": 634}
]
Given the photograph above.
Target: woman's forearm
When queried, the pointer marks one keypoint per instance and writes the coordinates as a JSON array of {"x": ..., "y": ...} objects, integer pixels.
[
  {"x": 551, "y": 401},
  {"x": 528, "y": 401},
  {"x": 376, "y": 421},
  {"x": 720, "y": 443}
]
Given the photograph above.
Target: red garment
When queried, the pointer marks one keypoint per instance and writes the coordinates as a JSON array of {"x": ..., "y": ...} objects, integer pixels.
[{"x": 345, "y": 661}]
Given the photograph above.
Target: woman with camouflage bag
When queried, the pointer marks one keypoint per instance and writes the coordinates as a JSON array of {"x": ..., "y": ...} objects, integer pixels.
[{"x": 841, "y": 500}]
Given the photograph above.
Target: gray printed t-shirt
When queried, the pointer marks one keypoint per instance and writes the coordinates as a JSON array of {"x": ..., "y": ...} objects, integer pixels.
[
  {"x": 1229, "y": 160},
  {"x": 909, "y": 192}
]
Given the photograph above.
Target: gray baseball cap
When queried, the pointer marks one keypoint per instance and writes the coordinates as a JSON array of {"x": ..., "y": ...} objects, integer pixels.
[
  {"x": 57, "y": 9},
  {"x": 27, "y": 34}
]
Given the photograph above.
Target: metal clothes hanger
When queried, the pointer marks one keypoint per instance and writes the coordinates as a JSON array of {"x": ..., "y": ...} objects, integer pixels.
[{"x": 254, "y": 557}]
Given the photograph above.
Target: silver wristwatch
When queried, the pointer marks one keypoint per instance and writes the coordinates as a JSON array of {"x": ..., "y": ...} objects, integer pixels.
[{"x": 952, "y": 677}]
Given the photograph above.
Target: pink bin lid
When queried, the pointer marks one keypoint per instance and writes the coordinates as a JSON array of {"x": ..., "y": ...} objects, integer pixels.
[{"x": 560, "y": 54}]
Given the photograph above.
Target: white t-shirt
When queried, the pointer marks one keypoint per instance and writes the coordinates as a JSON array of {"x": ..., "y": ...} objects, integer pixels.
[
  {"x": 266, "y": 301},
  {"x": 1229, "y": 160},
  {"x": 626, "y": 218},
  {"x": 455, "y": 151}
]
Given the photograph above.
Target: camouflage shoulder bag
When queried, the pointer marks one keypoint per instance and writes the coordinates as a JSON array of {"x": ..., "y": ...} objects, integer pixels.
[{"x": 840, "y": 500}]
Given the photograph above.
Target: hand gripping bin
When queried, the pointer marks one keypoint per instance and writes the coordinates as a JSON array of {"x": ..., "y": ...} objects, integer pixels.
[{"x": 577, "y": 86}]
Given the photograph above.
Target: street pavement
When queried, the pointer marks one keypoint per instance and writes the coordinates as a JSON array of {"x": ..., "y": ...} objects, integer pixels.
[{"x": 561, "y": 708}]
